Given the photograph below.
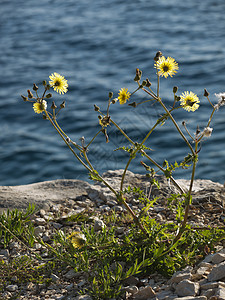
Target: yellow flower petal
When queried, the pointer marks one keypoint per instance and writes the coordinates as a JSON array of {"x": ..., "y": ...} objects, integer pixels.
[
  {"x": 59, "y": 83},
  {"x": 124, "y": 95},
  {"x": 166, "y": 66},
  {"x": 189, "y": 101}
]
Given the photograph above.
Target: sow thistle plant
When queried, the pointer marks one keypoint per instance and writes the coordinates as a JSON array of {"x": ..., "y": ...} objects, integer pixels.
[{"x": 187, "y": 100}]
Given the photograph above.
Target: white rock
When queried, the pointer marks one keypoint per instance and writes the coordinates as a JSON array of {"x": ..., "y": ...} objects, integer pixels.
[
  {"x": 5, "y": 252},
  {"x": 217, "y": 273},
  {"x": 181, "y": 275},
  {"x": 98, "y": 225},
  {"x": 54, "y": 277},
  {"x": 70, "y": 274},
  {"x": 39, "y": 230},
  {"x": 191, "y": 298},
  {"x": 40, "y": 221},
  {"x": 131, "y": 289},
  {"x": 143, "y": 294},
  {"x": 210, "y": 285},
  {"x": 220, "y": 293},
  {"x": 12, "y": 288},
  {"x": 187, "y": 288},
  {"x": 218, "y": 258}
]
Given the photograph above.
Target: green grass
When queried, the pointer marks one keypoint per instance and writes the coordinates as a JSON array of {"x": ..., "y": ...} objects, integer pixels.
[{"x": 107, "y": 258}]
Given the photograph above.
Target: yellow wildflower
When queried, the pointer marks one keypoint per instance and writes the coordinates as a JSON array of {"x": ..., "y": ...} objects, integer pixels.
[
  {"x": 77, "y": 239},
  {"x": 59, "y": 83},
  {"x": 124, "y": 95},
  {"x": 39, "y": 107},
  {"x": 189, "y": 101},
  {"x": 166, "y": 66}
]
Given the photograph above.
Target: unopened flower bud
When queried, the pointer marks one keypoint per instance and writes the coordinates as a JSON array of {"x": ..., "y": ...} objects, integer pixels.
[
  {"x": 177, "y": 98},
  {"x": 113, "y": 101},
  {"x": 24, "y": 98},
  {"x": 133, "y": 104},
  {"x": 144, "y": 82},
  {"x": 148, "y": 83},
  {"x": 96, "y": 108},
  {"x": 206, "y": 93},
  {"x": 49, "y": 96},
  {"x": 44, "y": 117},
  {"x": 44, "y": 82},
  {"x": 68, "y": 140},
  {"x": 63, "y": 104},
  {"x": 207, "y": 131},
  {"x": 138, "y": 75},
  {"x": 197, "y": 130},
  {"x": 35, "y": 87},
  {"x": 183, "y": 123},
  {"x": 47, "y": 87},
  {"x": 30, "y": 95},
  {"x": 110, "y": 95},
  {"x": 175, "y": 89},
  {"x": 53, "y": 105},
  {"x": 157, "y": 56}
]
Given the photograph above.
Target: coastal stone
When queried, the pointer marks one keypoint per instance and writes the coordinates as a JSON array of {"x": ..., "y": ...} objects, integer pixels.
[
  {"x": 143, "y": 294},
  {"x": 131, "y": 289},
  {"x": 218, "y": 258},
  {"x": 12, "y": 287},
  {"x": 98, "y": 224},
  {"x": 40, "y": 221},
  {"x": 42, "y": 194},
  {"x": 191, "y": 298},
  {"x": 4, "y": 252},
  {"x": 181, "y": 275},
  {"x": 217, "y": 273},
  {"x": 187, "y": 288},
  {"x": 70, "y": 274}
]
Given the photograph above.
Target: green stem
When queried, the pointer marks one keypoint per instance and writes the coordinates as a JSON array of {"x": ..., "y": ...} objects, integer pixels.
[
  {"x": 176, "y": 125},
  {"x": 93, "y": 138},
  {"x": 71, "y": 149}
]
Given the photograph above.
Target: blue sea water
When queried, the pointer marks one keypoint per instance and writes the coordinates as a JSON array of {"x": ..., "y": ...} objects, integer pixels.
[{"x": 97, "y": 45}]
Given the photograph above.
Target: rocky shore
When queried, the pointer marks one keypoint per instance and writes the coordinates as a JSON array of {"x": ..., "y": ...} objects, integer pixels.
[{"x": 64, "y": 197}]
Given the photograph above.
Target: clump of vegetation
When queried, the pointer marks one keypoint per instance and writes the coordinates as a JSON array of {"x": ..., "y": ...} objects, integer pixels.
[{"x": 146, "y": 245}]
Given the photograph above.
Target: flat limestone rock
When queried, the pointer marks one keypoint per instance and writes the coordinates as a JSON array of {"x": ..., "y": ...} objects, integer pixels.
[
  {"x": 45, "y": 194},
  {"x": 42, "y": 194}
]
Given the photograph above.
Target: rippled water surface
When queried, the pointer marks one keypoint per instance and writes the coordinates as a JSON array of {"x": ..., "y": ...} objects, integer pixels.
[{"x": 97, "y": 45}]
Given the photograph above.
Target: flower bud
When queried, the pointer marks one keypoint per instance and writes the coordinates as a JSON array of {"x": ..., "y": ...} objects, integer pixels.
[
  {"x": 148, "y": 83},
  {"x": 197, "y": 130},
  {"x": 35, "y": 87},
  {"x": 44, "y": 117},
  {"x": 183, "y": 123},
  {"x": 44, "y": 82},
  {"x": 113, "y": 101},
  {"x": 24, "y": 98},
  {"x": 175, "y": 89},
  {"x": 48, "y": 87},
  {"x": 133, "y": 104},
  {"x": 144, "y": 82},
  {"x": 110, "y": 95},
  {"x": 48, "y": 95},
  {"x": 68, "y": 140},
  {"x": 96, "y": 108},
  {"x": 157, "y": 56},
  {"x": 177, "y": 98},
  {"x": 53, "y": 105},
  {"x": 63, "y": 104},
  {"x": 138, "y": 75},
  {"x": 206, "y": 93},
  {"x": 30, "y": 95}
]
